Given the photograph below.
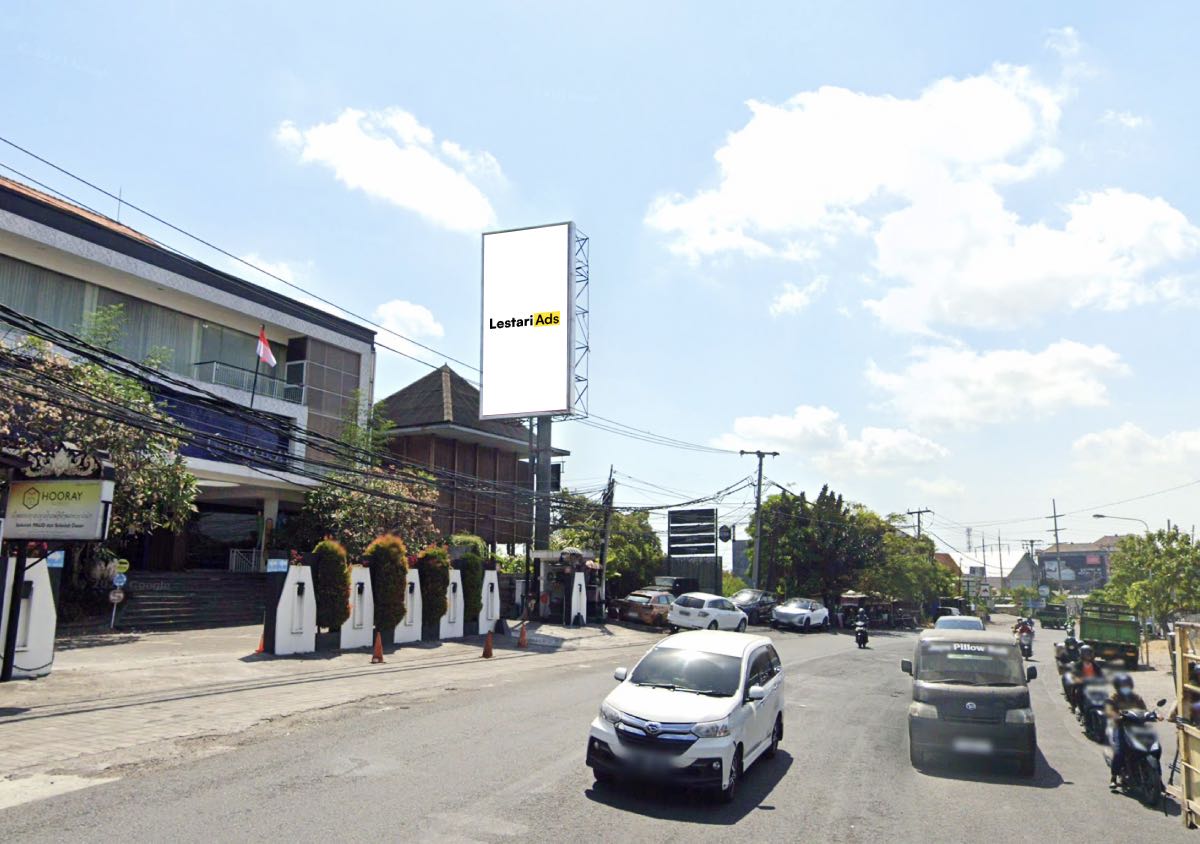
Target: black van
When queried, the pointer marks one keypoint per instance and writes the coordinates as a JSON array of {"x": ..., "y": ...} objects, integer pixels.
[{"x": 970, "y": 698}]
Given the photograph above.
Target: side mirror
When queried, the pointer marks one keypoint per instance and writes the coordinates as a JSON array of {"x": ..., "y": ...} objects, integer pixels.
[
  {"x": 1161, "y": 702},
  {"x": 906, "y": 666},
  {"x": 1031, "y": 672},
  {"x": 756, "y": 693},
  {"x": 620, "y": 674}
]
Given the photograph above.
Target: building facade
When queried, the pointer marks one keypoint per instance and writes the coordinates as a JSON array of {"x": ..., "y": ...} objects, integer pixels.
[
  {"x": 1078, "y": 566},
  {"x": 60, "y": 262}
]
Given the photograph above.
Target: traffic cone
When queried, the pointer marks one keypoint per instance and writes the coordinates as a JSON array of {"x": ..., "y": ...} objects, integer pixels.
[
  {"x": 377, "y": 656},
  {"x": 262, "y": 643},
  {"x": 487, "y": 646},
  {"x": 522, "y": 642}
]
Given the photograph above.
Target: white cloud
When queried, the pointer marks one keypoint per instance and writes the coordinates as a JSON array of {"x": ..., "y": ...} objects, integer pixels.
[
  {"x": 1128, "y": 446},
  {"x": 409, "y": 319},
  {"x": 1123, "y": 118},
  {"x": 390, "y": 155},
  {"x": 922, "y": 178},
  {"x": 957, "y": 387},
  {"x": 793, "y": 299},
  {"x": 274, "y": 274},
  {"x": 942, "y": 488},
  {"x": 817, "y": 434}
]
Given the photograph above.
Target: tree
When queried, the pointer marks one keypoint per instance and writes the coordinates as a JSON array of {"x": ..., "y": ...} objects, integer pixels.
[
  {"x": 433, "y": 564},
  {"x": 634, "y": 549},
  {"x": 56, "y": 399},
  {"x": 332, "y": 584},
  {"x": 388, "y": 560},
  {"x": 471, "y": 570},
  {"x": 731, "y": 584},
  {"x": 905, "y": 571},
  {"x": 1157, "y": 574}
]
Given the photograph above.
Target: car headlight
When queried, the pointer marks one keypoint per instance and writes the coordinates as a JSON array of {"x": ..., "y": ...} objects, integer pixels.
[
  {"x": 917, "y": 709},
  {"x": 711, "y": 729},
  {"x": 609, "y": 713},
  {"x": 1019, "y": 716}
]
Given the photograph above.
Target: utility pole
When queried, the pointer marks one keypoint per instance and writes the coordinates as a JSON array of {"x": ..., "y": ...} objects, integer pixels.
[
  {"x": 918, "y": 513},
  {"x": 1057, "y": 558},
  {"x": 1000, "y": 554},
  {"x": 758, "y": 511},
  {"x": 608, "y": 509},
  {"x": 969, "y": 549}
]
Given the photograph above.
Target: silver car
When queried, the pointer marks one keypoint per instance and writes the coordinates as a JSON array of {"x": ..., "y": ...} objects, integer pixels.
[{"x": 801, "y": 614}]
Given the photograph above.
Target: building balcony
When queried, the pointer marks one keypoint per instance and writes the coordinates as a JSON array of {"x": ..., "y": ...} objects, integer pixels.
[{"x": 226, "y": 375}]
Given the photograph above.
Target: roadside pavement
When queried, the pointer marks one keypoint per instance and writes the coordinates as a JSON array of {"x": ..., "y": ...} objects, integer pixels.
[{"x": 123, "y": 699}]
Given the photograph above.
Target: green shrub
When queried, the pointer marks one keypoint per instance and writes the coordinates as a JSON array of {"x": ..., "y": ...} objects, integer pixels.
[
  {"x": 472, "y": 541},
  {"x": 471, "y": 567},
  {"x": 333, "y": 584},
  {"x": 388, "y": 560},
  {"x": 433, "y": 565},
  {"x": 731, "y": 584}
]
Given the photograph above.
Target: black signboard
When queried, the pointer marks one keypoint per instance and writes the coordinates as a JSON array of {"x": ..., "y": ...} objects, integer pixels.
[
  {"x": 691, "y": 533},
  {"x": 725, "y": 533}
]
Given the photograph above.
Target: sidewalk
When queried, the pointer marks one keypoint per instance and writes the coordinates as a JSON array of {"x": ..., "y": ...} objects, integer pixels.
[{"x": 115, "y": 699}]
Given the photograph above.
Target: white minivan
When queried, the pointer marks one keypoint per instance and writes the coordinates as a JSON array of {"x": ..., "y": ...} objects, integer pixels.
[
  {"x": 702, "y": 611},
  {"x": 696, "y": 711}
]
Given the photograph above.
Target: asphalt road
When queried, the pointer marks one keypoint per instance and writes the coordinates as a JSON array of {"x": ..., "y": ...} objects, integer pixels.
[{"x": 503, "y": 760}]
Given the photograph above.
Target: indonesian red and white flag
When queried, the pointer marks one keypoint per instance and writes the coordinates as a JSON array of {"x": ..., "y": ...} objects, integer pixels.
[{"x": 264, "y": 348}]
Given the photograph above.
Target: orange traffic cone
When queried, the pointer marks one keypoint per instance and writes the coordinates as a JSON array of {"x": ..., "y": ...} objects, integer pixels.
[
  {"x": 377, "y": 656},
  {"x": 262, "y": 643},
  {"x": 487, "y": 646},
  {"x": 522, "y": 642}
]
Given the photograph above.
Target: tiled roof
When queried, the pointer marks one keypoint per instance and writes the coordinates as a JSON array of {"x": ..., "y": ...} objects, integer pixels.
[
  {"x": 78, "y": 210},
  {"x": 445, "y": 397},
  {"x": 947, "y": 561}
]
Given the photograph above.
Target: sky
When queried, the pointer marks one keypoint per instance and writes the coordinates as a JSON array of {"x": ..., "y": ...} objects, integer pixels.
[{"x": 937, "y": 255}]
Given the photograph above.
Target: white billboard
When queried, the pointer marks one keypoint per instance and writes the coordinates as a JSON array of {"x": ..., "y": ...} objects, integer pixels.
[{"x": 526, "y": 350}]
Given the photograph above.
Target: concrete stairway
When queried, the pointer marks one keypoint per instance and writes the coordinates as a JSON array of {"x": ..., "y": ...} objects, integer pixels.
[{"x": 191, "y": 600}]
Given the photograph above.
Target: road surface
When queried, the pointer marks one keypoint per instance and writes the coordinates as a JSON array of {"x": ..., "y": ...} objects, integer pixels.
[{"x": 502, "y": 760}]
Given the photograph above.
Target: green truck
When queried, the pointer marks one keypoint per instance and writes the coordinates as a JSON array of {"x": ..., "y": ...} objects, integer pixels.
[
  {"x": 1112, "y": 630},
  {"x": 1053, "y": 616}
]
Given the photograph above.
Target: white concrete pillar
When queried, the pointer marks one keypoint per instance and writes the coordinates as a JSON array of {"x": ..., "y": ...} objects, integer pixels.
[
  {"x": 489, "y": 611},
  {"x": 451, "y": 626},
  {"x": 36, "y": 623},
  {"x": 409, "y": 630},
  {"x": 358, "y": 629},
  {"x": 578, "y": 598},
  {"x": 296, "y": 615}
]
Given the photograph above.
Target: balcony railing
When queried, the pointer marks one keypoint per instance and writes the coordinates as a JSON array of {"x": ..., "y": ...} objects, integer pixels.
[{"x": 215, "y": 372}]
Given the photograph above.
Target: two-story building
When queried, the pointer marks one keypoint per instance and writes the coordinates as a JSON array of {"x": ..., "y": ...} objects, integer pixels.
[
  {"x": 1078, "y": 566},
  {"x": 60, "y": 262}
]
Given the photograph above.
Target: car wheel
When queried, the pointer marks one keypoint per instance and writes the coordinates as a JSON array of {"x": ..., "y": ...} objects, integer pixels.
[
  {"x": 1027, "y": 766},
  {"x": 776, "y": 736},
  {"x": 712, "y": 625},
  {"x": 916, "y": 757},
  {"x": 807, "y": 624},
  {"x": 672, "y": 628},
  {"x": 741, "y": 628},
  {"x": 825, "y": 624},
  {"x": 729, "y": 792}
]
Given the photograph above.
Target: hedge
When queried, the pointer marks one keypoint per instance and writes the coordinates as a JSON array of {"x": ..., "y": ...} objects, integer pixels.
[
  {"x": 388, "y": 560},
  {"x": 471, "y": 569},
  {"x": 433, "y": 564},
  {"x": 333, "y": 584},
  {"x": 471, "y": 541}
]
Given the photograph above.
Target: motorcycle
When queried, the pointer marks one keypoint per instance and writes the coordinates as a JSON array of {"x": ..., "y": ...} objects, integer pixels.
[
  {"x": 1092, "y": 699},
  {"x": 1025, "y": 640},
  {"x": 860, "y": 634},
  {"x": 1142, "y": 774}
]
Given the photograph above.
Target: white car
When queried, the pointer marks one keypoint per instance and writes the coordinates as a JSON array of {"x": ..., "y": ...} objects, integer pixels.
[
  {"x": 701, "y": 611},
  {"x": 801, "y": 614},
  {"x": 696, "y": 711}
]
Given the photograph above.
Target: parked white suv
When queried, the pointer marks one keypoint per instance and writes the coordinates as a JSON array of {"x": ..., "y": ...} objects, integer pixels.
[
  {"x": 701, "y": 611},
  {"x": 696, "y": 711}
]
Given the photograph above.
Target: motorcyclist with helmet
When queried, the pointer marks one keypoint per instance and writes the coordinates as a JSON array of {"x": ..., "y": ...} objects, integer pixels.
[
  {"x": 1122, "y": 699},
  {"x": 1081, "y": 671}
]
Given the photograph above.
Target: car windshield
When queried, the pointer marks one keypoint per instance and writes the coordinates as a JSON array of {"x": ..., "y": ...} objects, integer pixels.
[
  {"x": 969, "y": 664},
  {"x": 952, "y": 622},
  {"x": 689, "y": 601},
  {"x": 746, "y": 595},
  {"x": 796, "y": 603},
  {"x": 638, "y": 598},
  {"x": 689, "y": 670}
]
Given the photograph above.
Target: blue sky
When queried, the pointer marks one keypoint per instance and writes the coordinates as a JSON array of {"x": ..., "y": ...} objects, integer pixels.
[{"x": 939, "y": 255}]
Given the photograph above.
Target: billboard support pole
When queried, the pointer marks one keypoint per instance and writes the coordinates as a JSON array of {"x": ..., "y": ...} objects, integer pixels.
[
  {"x": 542, "y": 525},
  {"x": 532, "y": 519}
]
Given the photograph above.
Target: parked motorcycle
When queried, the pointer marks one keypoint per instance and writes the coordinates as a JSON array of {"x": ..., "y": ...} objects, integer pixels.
[
  {"x": 860, "y": 634},
  {"x": 1142, "y": 774}
]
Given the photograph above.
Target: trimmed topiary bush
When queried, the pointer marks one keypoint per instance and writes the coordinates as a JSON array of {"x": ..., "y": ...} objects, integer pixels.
[
  {"x": 433, "y": 564},
  {"x": 388, "y": 560},
  {"x": 333, "y": 584},
  {"x": 471, "y": 569},
  {"x": 471, "y": 541}
]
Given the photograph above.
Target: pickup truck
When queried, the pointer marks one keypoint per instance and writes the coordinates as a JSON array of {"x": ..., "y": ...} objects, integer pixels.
[{"x": 1112, "y": 630}]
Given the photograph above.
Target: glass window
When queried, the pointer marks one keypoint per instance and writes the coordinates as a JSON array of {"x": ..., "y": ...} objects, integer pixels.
[
  {"x": 42, "y": 294},
  {"x": 689, "y": 601},
  {"x": 714, "y": 674},
  {"x": 776, "y": 663},
  {"x": 760, "y": 669},
  {"x": 969, "y": 664}
]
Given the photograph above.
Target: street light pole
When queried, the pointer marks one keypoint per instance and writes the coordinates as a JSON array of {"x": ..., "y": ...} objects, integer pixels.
[
  {"x": 758, "y": 511},
  {"x": 1122, "y": 518}
]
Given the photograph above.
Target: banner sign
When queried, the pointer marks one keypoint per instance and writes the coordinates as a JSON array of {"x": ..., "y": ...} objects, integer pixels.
[{"x": 58, "y": 509}]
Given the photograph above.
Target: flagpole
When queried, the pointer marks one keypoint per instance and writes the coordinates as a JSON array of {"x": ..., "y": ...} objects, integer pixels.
[{"x": 257, "y": 361}]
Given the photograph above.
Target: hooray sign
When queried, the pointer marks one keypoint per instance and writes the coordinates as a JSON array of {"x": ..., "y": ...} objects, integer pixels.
[{"x": 61, "y": 509}]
